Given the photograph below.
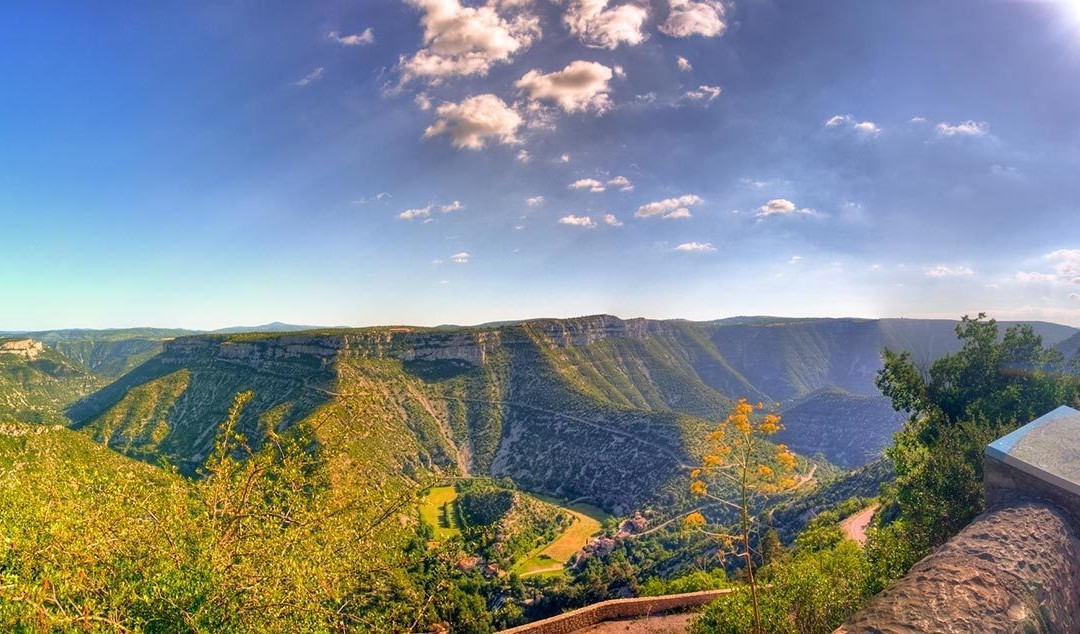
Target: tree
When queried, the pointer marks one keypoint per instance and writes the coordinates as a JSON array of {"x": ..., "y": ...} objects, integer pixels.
[
  {"x": 993, "y": 384},
  {"x": 740, "y": 455}
]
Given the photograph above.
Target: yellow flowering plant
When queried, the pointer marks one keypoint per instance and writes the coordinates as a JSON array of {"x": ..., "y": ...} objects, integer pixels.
[{"x": 737, "y": 452}]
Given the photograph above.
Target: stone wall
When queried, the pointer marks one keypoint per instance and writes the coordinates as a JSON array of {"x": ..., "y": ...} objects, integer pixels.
[
  {"x": 617, "y": 609},
  {"x": 1015, "y": 568}
]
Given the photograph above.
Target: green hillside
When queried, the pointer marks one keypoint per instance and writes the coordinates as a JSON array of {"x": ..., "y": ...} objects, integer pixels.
[{"x": 37, "y": 383}]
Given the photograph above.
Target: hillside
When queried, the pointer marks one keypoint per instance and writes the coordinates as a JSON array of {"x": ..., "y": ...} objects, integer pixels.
[
  {"x": 594, "y": 407},
  {"x": 37, "y": 382}
]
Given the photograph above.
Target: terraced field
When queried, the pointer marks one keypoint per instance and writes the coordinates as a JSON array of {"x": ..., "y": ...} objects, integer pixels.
[{"x": 549, "y": 558}]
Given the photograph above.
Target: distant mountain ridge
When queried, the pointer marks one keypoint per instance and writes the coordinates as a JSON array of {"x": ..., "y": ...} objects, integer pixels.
[{"x": 597, "y": 407}]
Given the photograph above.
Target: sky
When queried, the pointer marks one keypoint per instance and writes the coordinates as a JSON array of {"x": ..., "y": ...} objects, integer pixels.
[{"x": 464, "y": 161}]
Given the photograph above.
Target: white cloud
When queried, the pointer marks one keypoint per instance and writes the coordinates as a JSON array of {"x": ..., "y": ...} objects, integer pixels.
[
  {"x": 467, "y": 40},
  {"x": 590, "y": 184},
  {"x": 367, "y": 36},
  {"x": 601, "y": 27},
  {"x": 376, "y": 198},
  {"x": 422, "y": 101},
  {"x": 669, "y": 208},
  {"x": 622, "y": 183},
  {"x": 577, "y": 221},
  {"x": 454, "y": 206},
  {"x": 1075, "y": 296},
  {"x": 694, "y": 17},
  {"x": 868, "y": 128},
  {"x": 703, "y": 93},
  {"x": 1067, "y": 264},
  {"x": 460, "y": 258},
  {"x": 1035, "y": 278},
  {"x": 795, "y": 259},
  {"x": 941, "y": 270},
  {"x": 578, "y": 87},
  {"x": 563, "y": 158},
  {"x": 684, "y": 64},
  {"x": 471, "y": 123},
  {"x": 612, "y": 221},
  {"x": 523, "y": 156},
  {"x": 695, "y": 247},
  {"x": 967, "y": 128},
  {"x": 310, "y": 78},
  {"x": 781, "y": 207},
  {"x": 917, "y": 120},
  {"x": 412, "y": 214},
  {"x": 534, "y": 201}
]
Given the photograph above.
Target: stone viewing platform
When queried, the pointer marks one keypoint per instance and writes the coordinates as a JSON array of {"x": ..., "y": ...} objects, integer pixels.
[{"x": 1016, "y": 567}]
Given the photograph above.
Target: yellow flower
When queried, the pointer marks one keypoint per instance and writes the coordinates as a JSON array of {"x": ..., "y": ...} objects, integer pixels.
[
  {"x": 694, "y": 520},
  {"x": 765, "y": 471},
  {"x": 697, "y": 487}
]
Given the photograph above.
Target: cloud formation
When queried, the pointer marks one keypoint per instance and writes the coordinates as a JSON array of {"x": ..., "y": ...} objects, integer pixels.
[
  {"x": 942, "y": 270},
  {"x": 781, "y": 207},
  {"x": 967, "y": 128},
  {"x": 451, "y": 207},
  {"x": 367, "y": 36},
  {"x": 467, "y": 40},
  {"x": 621, "y": 183},
  {"x": 476, "y": 120},
  {"x": 601, "y": 27},
  {"x": 577, "y": 221},
  {"x": 669, "y": 208},
  {"x": 590, "y": 184},
  {"x": 703, "y": 93},
  {"x": 310, "y": 78},
  {"x": 581, "y": 86},
  {"x": 534, "y": 201},
  {"x": 695, "y": 247},
  {"x": 460, "y": 258},
  {"x": 868, "y": 128},
  {"x": 684, "y": 64},
  {"x": 412, "y": 214},
  {"x": 694, "y": 17},
  {"x": 611, "y": 220}
]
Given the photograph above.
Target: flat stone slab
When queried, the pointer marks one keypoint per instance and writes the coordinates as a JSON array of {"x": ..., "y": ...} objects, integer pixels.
[{"x": 1047, "y": 448}]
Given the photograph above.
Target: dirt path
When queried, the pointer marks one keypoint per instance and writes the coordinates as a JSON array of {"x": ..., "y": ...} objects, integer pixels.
[{"x": 855, "y": 525}]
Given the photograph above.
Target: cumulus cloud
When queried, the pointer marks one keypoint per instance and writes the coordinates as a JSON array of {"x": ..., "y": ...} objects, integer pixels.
[
  {"x": 694, "y": 17},
  {"x": 695, "y": 247},
  {"x": 669, "y": 208},
  {"x": 422, "y": 101},
  {"x": 703, "y": 93},
  {"x": 577, "y": 221},
  {"x": 476, "y": 120},
  {"x": 942, "y": 270},
  {"x": 534, "y": 201},
  {"x": 467, "y": 40},
  {"x": 601, "y": 27},
  {"x": 460, "y": 258},
  {"x": 310, "y": 78},
  {"x": 367, "y": 36},
  {"x": 412, "y": 214},
  {"x": 795, "y": 259},
  {"x": 684, "y": 64},
  {"x": 1066, "y": 264},
  {"x": 621, "y": 183},
  {"x": 578, "y": 87},
  {"x": 868, "y": 128},
  {"x": 523, "y": 156},
  {"x": 967, "y": 128},
  {"x": 612, "y": 221},
  {"x": 563, "y": 158},
  {"x": 781, "y": 207},
  {"x": 1035, "y": 278},
  {"x": 590, "y": 184},
  {"x": 451, "y": 207},
  {"x": 371, "y": 199}
]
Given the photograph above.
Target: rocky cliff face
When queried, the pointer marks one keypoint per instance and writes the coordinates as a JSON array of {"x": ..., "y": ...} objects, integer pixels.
[{"x": 26, "y": 348}]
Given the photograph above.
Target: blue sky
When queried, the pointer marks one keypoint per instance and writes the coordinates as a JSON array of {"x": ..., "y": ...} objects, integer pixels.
[{"x": 447, "y": 161}]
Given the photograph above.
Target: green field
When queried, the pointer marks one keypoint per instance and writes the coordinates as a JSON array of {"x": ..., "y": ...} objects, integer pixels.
[
  {"x": 549, "y": 558},
  {"x": 437, "y": 509}
]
